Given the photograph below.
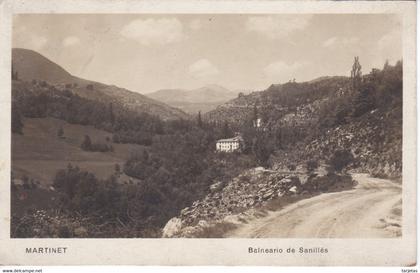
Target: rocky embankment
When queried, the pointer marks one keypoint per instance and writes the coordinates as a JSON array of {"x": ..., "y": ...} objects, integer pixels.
[
  {"x": 242, "y": 197},
  {"x": 375, "y": 142}
]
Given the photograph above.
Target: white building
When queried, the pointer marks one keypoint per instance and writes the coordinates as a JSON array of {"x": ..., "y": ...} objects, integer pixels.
[
  {"x": 229, "y": 144},
  {"x": 257, "y": 123}
]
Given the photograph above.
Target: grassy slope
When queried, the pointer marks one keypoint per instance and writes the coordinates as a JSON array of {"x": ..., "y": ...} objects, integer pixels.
[{"x": 39, "y": 153}]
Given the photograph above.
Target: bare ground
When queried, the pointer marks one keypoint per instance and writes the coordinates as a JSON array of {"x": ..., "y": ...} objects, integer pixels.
[{"x": 371, "y": 210}]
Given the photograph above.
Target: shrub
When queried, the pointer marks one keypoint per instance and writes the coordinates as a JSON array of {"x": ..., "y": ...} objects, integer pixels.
[
  {"x": 340, "y": 159},
  {"x": 311, "y": 165}
]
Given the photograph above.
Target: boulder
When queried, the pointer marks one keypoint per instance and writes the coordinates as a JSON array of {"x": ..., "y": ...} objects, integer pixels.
[
  {"x": 80, "y": 232},
  {"x": 172, "y": 228},
  {"x": 268, "y": 195},
  {"x": 293, "y": 189},
  {"x": 216, "y": 186}
]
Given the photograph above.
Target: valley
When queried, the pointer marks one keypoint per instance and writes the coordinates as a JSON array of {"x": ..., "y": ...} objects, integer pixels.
[{"x": 99, "y": 161}]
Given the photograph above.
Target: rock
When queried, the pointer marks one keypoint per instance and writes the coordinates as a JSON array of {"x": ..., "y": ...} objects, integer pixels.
[
  {"x": 268, "y": 194},
  {"x": 80, "y": 232},
  {"x": 232, "y": 219},
  {"x": 216, "y": 186},
  {"x": 293, "y": 189},
  {"x": 172, "y": 227},
  {"x": 203, "y": 223},
  {"x": 286, "y": 181}
]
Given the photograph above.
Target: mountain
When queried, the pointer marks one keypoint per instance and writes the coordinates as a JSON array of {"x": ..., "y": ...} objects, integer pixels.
[
  {"x": 277, "y": 98},
  {"x": 31, "y": 65},
  {"x": 202, "y": 99}
]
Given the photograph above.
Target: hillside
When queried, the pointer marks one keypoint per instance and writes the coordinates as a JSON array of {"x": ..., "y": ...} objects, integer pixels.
[
  {"x": 38, "y": 153},
  {"x": 31, "y": 66},
  {"x": 326, "y": 114},
  {"x": 277, "y": 98},
  {"x": 201, "y": 99},
  {"x": 313, "y": 136}
]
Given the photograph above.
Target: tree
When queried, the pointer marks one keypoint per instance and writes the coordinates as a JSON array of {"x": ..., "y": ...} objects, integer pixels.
[
  {"x": 25, "y": 182},
  {"x": 199, "y": 121},
  {"x": 255, "y": 114},
  {"x": 145, "y": 156},
  {"x": 117, "y": 168},
  {"x": 364, "y": 100},
  {"x": 340, "y": 159},
  {"x": 17, "y": 123},
  {"x": 262, "y": 148},
  {"x": 386, "y": 65},
  {"x": 15, "y": 75},
  {"x": 279, "y": 138},
  {"x": 60, "y": 132},
  {"x": 311, "y": 165},
  {"x": 226, "y": 131},
  {"x": 111, "y": 114},
  {"x": 86, "y": 144},
  {"x": 356, "y": 74}
]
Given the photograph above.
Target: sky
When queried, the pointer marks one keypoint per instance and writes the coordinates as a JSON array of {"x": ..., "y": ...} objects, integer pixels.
[{"x": 145, "y": 53}]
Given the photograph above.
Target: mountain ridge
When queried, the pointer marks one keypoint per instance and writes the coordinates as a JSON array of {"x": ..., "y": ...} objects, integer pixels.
[{"x": 31, "y": 65}]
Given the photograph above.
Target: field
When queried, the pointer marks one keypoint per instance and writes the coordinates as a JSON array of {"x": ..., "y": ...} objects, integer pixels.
[{"x": 39, "y": 152}]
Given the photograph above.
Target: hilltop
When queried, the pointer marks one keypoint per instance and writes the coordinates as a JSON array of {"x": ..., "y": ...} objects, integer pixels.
[{"x": 32, "y": 66}]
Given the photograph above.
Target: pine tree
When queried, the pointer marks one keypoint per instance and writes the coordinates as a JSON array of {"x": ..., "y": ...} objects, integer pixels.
[
  {"x": 60, "y": 132},
  {"x": 111, "y": 114},
  {"x": 255, "y": 113},
  {"x": 117, "y": 168},
  {"x": 356, "y": 74},
  {"x": 86, "y": 144},
  {"x": 17, "y": 123},
  {"x": 199, "y": 120},
  {"x": 226, "y": 130}
]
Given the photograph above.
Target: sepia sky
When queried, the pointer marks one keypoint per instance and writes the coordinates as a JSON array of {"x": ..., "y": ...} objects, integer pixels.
[{"x": 145, "y": 53}]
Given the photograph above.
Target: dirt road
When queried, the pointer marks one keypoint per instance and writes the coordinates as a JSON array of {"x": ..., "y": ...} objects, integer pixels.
[{"x": 371, "y": 210}]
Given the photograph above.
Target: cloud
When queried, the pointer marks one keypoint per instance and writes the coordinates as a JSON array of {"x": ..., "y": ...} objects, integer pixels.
[
  {"x": 195, "y": 24},
  {"x": 203, "y": 68},
  {"x": 71, "y": 41},
  {"x": 37, "y": 42},
  {"x": 154, "y": 31},
  {"x": 281, "y": 71},
  {"x": 340, "y": 42},
  {"x": 277, "y": 27}
]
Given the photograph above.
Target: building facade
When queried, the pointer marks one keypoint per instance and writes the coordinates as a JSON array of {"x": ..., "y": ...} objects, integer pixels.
[{"x": 229, "y": 145}]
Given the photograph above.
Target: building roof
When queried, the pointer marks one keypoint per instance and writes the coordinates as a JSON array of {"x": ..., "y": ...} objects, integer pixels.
[{"x": 233, "y": 139}]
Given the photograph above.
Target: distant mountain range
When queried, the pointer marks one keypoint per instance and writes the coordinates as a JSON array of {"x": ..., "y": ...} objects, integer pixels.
[
  {"x": 31, "y": 65},
  {"x": 202, "y": 99}
]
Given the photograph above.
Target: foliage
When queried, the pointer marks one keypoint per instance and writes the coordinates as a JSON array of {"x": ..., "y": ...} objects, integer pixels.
[
  {"x": 311, "y": 165},
  {"x": 340, "y": 159},
  {"x": 60, "y": 132},
  {"x": 17, "y": 124},
  {"x": 87, "y": 145}
]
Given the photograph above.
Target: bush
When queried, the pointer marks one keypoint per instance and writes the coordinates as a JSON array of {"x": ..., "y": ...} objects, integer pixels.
[
  {"x": 311, "y": 165},
  {"x": 340, "y": 159}
]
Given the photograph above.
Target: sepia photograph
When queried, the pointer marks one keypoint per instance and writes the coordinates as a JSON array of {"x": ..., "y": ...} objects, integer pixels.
[
  {"x": 195, "y": 133},
  {"x": 206, "y": 126}
]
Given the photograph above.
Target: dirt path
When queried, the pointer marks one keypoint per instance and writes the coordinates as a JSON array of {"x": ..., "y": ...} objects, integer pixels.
[{"x": 371, "y": 210}]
